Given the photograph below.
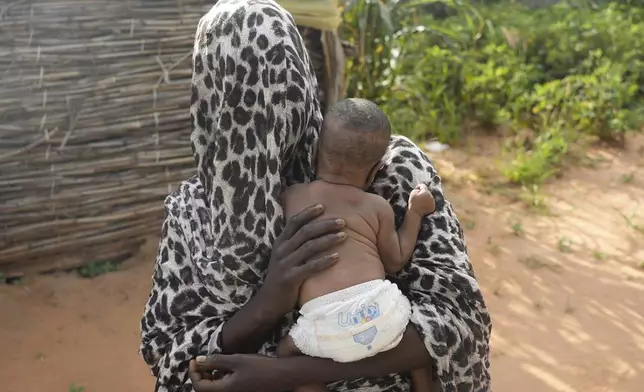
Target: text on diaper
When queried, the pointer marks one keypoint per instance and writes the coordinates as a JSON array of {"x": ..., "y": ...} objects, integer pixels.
[{"x": 362, "y": 315}]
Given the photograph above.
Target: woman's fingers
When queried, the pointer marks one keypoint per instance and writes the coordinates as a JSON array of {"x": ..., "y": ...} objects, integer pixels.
[
  {"x": 193, "y": 372},
  {"x": 312, "y": 267},
  {"x": 300, "y": 219},
  {"x": 200, "y": 372},
  {"x": 207, "y": 376},
  {"x": 314, "y": 247},
  {"x": 311, "y": 232},
  {"x": 209, "y": 386},
  {"x": 216, "y": 362},
  {"x": 208, "y": 383}
]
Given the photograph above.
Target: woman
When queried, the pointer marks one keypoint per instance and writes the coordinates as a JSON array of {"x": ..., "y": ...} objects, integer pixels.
[{"x": 228, "y": 267}]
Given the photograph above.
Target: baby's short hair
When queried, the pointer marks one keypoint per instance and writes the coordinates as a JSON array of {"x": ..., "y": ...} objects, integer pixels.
[{"x": 355, "y": 135}]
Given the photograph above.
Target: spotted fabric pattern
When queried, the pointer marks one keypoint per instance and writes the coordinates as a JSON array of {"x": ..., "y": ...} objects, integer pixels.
[{"x": 255, "y": 121}]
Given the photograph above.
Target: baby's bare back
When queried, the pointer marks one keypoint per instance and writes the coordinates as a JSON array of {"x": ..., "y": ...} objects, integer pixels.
[{"x": 359, "y": 261}]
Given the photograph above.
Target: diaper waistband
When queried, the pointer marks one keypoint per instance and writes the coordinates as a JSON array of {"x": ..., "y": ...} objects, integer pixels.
[{"x": 344, "y": 294}]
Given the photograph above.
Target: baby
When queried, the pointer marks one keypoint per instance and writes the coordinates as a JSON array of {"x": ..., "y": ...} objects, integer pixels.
[{"x": 349, "y": 311}]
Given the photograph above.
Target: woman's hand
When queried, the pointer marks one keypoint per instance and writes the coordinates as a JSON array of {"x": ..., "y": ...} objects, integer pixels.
[
  {"x": 298, "y": 253},
  {"x": 251, "y": 372},
  {"x": 242, "y": 373}
]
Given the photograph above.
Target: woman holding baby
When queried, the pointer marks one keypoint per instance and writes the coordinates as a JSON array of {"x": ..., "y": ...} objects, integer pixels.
[{"x": 229, "y": 267}]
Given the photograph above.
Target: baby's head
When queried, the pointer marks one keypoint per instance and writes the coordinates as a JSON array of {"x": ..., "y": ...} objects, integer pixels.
[{"x": 355, "y": 135}]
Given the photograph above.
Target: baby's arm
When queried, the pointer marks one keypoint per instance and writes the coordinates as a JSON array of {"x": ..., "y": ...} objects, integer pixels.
[{"x": 395, "y": 248}]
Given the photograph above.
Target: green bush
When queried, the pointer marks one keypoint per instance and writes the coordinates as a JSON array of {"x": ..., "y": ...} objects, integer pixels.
[
  {"x": 424, "y": 99},
  {"x": 562, "y": 46},
  {"x": 493, "y": 79},
  {"x": 539, "y": 162},
  {"x": 594, "y": 103},
  {"x": 565, "y": 71}
]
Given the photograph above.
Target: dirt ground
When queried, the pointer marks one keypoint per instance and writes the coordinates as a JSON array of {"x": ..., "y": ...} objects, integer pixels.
[{"x": 564, "y": 283}]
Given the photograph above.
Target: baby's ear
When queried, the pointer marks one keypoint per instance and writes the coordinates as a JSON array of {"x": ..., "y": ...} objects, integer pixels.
[{"x": 372, "y": 174}]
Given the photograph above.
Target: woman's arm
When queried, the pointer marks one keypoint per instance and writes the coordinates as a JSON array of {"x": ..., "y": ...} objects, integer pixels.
[
  {"x": 410, "y": 354},
  {"x": 291, "y": 263},
  {"x": 255, "y": 373},
  {"x": 247, "y": 329}
]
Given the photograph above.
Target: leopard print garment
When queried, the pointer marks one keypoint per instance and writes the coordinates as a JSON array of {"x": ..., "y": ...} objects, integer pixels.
[{"x": 255, "y": 120}]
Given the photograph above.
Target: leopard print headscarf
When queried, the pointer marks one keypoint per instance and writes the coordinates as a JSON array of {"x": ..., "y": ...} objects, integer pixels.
[{"x": 255, "y": 119}]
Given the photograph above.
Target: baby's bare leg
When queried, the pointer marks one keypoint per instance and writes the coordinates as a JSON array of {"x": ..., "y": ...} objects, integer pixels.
[
  {"x": 286, "y": 348},
  {"x": 421, "y": 381}
]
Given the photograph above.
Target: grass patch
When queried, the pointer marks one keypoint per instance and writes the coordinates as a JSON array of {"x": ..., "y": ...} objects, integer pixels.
[
  {"x": 599, "y": 255},
  {"x": 627, "y": 178},
  {"x": 94, "y": 269},
  {"x": 74, "y": 388},
  {"x": 517, "y": 229},
  {"x": 535, "y": 263},
  {"x": 469, "y": 224},
  {"x": 564, "y": 245}
]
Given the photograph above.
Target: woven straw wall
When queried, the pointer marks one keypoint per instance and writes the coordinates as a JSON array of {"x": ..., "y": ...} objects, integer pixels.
[{"x": 94, "y": 128}]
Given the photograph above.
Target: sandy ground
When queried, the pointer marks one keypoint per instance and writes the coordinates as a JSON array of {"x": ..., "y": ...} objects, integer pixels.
[{"x": 564, "y": 284}]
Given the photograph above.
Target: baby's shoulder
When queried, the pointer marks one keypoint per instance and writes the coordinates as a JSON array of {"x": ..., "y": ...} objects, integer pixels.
[
  {"x": 294, "y": 192},
  {"x": 375, "y": 206},
  {"x": 377, "y": 201}
]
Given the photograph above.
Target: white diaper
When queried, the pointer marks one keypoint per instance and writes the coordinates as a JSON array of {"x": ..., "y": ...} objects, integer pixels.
[{"x": 354, "y": 323}]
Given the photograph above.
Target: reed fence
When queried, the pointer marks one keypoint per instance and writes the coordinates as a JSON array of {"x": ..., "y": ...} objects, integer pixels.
[{"x": 94, "y": 125}]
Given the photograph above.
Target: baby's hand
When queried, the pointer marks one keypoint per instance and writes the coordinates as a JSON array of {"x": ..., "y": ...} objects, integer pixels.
[{"x": 421, "y": 200}]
